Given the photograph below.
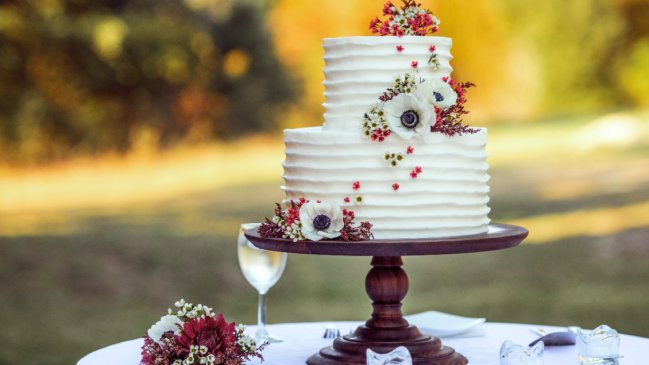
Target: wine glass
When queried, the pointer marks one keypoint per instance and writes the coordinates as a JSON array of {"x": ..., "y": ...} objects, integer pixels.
[{"x": 262, "y": 269}]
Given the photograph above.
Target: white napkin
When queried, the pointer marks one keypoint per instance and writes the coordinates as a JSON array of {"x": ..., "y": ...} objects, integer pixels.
[{"x": 441, "y": 324}]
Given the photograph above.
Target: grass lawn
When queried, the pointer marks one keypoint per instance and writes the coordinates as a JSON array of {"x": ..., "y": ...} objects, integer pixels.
[{"x": 84, "y": 278}]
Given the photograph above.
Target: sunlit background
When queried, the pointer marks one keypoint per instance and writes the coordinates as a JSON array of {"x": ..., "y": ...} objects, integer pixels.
[{"x": 135, "y": 137}]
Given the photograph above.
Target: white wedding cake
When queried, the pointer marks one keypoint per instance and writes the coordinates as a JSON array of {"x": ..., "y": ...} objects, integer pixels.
[{"x": 392, "y": 147}]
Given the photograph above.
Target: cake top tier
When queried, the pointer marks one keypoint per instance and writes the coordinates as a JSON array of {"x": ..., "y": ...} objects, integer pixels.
[
  {"x": 359, "y": 69},
  {"x": 399, "y": 83}
]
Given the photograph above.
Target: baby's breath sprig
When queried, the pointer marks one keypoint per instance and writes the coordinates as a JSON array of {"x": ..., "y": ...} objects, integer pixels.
[
  {"x": 375, "y": 125},
  {"x": 188, "y": 311},
  {"x": 433, "y": 60},
  {"x": 393, "y": 158},
  {"x": 406, "y": 83},
  {"x": 246, "y": 343}
]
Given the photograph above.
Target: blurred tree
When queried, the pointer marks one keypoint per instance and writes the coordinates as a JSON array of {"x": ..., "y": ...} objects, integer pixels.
[
  {"x": 634, "y": 74},
  {"x": 577, "y": 45},
  {"x": 634, "y": 63},
  {"x": 80, "y": 76}
]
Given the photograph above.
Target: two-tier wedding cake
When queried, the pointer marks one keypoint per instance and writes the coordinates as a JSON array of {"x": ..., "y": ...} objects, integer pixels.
[{"x": 392, "y": 148}]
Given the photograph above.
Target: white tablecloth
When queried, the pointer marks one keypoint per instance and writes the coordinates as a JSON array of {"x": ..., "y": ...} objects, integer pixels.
[{"x": 303, "y": 339}]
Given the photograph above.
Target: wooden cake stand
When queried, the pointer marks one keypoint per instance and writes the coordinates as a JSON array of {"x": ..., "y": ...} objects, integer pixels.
[{"x": 386, "y": 285}]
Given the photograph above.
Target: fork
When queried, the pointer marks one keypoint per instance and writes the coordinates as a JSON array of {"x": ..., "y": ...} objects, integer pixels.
[{"x": 331, "y": 332}]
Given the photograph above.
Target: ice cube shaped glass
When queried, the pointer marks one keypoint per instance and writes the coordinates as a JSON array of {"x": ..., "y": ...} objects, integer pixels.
[
  {"x": 514, "y": 354},
  {"x": 600, "y": 346}
]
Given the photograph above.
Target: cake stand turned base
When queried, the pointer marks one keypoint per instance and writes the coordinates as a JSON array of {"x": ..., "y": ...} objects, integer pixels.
[{"x": 386, "y": 284}]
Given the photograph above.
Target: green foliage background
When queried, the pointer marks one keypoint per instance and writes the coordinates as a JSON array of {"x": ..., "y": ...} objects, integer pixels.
[
  {"x": 89, "y": 76},
  {"x": 80, "y": 77}
]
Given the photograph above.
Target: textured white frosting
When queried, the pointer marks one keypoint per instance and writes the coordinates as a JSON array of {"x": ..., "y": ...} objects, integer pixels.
[
  {"x": 359, "y": 69},
  {"x": 448, "y": 198}
]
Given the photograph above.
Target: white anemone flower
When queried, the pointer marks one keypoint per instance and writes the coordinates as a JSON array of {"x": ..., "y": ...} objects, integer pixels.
[
  {"x": 321, "y": 220},
  {"x": 408, "y": 115},
  {"x": 165, "y": 324},
  {"x": 437, "y": 93}
]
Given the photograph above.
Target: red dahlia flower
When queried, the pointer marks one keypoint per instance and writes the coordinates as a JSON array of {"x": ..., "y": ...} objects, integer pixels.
[{"x": 216, "y": 334}]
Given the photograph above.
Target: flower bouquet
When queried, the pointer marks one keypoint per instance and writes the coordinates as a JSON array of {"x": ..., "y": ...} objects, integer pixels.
[{"x": 196, "y": 335}]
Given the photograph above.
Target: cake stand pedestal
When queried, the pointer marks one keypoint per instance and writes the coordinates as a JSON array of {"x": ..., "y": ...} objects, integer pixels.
[{"x": 386, "y": 285}]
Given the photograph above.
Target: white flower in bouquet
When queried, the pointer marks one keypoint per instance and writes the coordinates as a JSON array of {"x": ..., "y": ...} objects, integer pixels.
[
  {"x": 438, "y": 93},
  {"x": 321, "y": 220},
  {"x": 166, "y": 323},
  {"x": 408, "y": 115}
]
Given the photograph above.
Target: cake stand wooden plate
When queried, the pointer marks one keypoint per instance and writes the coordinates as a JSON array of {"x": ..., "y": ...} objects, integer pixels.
[{"x": 387, "y": 285}]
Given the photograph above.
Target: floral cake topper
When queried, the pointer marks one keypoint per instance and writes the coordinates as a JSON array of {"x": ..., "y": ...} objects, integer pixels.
[
  {"x": 409, "y": 19},
  {"x": 307, "y": 220}
]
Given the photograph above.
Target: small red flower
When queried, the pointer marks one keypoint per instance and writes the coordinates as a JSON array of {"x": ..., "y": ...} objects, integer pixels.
[
  {"x": 348, "y": 213},
  {"x": 395, "y": 186},
  {"x": 387, "y": 8},
  {"x": 410, "y": 150},
  {"x": 415, "y": 172},
  {"x": 356, "y": 185},
  {"x": 432, "y": 48},
  {"x": 400, "y": 48},
  {"x": 414, "y": 64},
  {"x": 346, "y": 200},
  {"x": 318, "y": 201},
  {"x": 373, "y": 24}
]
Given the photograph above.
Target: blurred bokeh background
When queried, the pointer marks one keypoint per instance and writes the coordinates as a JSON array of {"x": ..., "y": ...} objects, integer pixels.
[{"x": 135, "y": 137}]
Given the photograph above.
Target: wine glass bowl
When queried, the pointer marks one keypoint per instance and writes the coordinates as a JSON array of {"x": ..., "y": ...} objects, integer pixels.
[{"x": 262, "y": 269}]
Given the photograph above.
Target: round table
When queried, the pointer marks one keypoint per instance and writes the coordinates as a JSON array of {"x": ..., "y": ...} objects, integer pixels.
[{"x": 301, "y": 340}]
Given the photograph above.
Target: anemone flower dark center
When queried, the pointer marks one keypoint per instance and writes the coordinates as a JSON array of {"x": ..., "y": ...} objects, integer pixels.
[
  {"x": 438, "y": 96},
  {"x": 410, "y": 119},
  {"x": 321, "y": 222}
]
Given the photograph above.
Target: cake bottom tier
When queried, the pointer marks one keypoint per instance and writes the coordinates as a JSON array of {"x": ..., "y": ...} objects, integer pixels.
[{"x": 406, "y": 188}]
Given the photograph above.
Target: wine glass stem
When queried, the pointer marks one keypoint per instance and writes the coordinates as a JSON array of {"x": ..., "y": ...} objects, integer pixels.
[{"x": 261, "y": 317}]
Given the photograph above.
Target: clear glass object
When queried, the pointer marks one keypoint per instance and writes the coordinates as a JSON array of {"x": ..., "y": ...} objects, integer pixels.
[
  {"x": 513, "y": 354},
  {"x": 600, "y": 346},
  {"x": 262, "y": 269},
  {"x": 400, "y": 356}
]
